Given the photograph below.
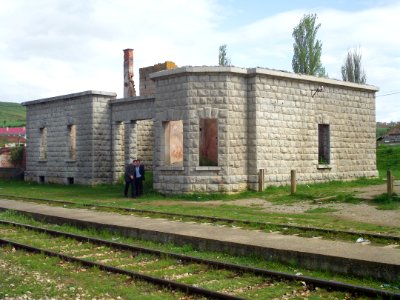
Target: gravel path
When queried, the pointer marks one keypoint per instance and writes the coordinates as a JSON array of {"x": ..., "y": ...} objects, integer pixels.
[{"x": 362, "y": 212}]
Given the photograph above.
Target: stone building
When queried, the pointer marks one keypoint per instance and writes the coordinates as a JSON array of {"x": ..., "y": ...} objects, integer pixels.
[{"x": 207, "y": 129}]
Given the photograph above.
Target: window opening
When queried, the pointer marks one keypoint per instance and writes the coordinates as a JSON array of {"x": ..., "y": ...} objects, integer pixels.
[
  {"x": 43, "y": 144},
  {"x": 323, "y": 144},
  {"x": 173, "y": 143},
  {"x": 208, "y": 144},
  {"x": 72, "y": 142}
]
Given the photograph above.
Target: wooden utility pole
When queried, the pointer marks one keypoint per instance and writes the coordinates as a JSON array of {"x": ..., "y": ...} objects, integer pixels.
[
  {"x": 389, "y": 179},
  {"x": 261, "y": 180},
  {"x": 293, "y": 182}
]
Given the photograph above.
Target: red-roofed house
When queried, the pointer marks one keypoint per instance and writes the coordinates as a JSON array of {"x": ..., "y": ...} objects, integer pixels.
[
  {"x": 13, "y": 135},
  {"x": 13, "y": 131}
]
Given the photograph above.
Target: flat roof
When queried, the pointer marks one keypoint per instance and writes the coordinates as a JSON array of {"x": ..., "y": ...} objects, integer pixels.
[
  {"x": 260, "y": 71},
  {"x": 69, "y": 96}
]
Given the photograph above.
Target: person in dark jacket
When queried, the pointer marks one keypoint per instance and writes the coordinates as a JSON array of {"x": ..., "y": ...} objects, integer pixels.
[
  {"x": 139, "y": 177},
  {"x": 130, "y": 179}
]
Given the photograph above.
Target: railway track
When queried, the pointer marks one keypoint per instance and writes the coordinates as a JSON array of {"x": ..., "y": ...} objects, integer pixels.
[
  {"x": 192, "y": 275},
  {"x": 284, "y": 228}
]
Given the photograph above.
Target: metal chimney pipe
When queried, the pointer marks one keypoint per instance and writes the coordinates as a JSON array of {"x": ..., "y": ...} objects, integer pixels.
[{"x": 129, "y": 84}]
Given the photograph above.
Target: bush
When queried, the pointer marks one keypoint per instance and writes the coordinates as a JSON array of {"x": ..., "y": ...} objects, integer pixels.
[{"x": 17, "y": 155}]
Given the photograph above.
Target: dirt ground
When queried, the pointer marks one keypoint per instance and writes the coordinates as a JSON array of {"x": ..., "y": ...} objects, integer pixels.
[{"x": 362, "y": 212}]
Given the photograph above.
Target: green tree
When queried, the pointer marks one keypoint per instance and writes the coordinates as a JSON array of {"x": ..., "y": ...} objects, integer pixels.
[
  {"x": 351, "y": 69},
  {"x": 307, "y": 49},
  {"x": 223, "y": 60}
]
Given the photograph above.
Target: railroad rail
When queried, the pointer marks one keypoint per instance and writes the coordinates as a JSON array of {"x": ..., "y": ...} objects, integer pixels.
[
  {"x": 200, "y": 218},
  {"x": 77, "y": 248}
]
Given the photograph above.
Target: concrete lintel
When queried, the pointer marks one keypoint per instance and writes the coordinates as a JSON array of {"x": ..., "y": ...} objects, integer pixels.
[
  {"x": 208, "y": 168},
  {"x": 131, "y": 99}
]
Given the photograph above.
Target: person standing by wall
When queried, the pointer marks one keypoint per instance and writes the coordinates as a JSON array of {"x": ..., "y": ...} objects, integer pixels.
[
  {"x": 139, "y": 177},
  {"x": 130, "y": 179}
]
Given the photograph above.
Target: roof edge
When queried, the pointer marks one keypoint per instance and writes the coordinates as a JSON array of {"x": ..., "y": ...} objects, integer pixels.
[
  {"x": 261, "y": 71},
  {"x": 69, "y": 96}
]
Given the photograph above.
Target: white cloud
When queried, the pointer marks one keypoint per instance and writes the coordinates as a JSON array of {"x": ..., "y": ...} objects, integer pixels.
[
  {"x": 375, "y": 30},
  {"x": 268, "y": 42},
  {"x": 52, "y": 47}
]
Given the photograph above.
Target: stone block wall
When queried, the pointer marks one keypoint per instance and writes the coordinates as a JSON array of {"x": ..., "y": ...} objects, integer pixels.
[
  {"x": 290, "y": 107},
  {"x": 192, "y": 96},
  {"x": 145, "y": 142},
  {"x": 238, "y": 132},
  {"x": 170, "y": 105},
  {"x": 146, "y": 85},
  {"x": 266, "y": 120},
  {"x": 120, "y": 130},
  {"x": 89, "y": 112}
]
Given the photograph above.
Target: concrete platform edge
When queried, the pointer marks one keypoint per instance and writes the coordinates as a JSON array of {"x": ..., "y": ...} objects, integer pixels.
[{"x": 360, "y": 268}]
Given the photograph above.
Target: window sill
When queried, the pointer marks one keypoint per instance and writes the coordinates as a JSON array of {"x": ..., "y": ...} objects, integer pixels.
[
  {"x": 171, "y": 168},
  {"x": 70, "y": 161},
  {"x": 209, "y": 168},
  {"x": 324, "y": 166},
  {"x": 42, "y": 160}
]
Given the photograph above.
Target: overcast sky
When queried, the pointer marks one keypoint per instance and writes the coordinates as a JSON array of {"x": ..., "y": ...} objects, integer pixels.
[{"x": 56, "y": 47}]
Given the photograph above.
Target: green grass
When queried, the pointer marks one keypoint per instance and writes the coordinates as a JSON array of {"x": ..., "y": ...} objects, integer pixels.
[
  {"x": 388, "y": 158},
  {"x": 34, "y": 276},
  {"x": 12, "y": 114},
  {"x": 387, "y": 202},
  {"x": 111, "y": 195}
]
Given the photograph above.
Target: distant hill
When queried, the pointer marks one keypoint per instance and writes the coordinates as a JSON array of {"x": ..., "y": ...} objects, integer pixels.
[{"x": 12, "y": 114}]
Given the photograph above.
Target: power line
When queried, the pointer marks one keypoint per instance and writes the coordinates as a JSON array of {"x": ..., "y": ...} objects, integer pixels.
[{"x": 389, "y": 93}]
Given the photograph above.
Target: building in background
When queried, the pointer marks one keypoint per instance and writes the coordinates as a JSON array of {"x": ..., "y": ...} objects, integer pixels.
[
  {"x": 392, "y": 136},
  {"x": 12, "y": 136}
]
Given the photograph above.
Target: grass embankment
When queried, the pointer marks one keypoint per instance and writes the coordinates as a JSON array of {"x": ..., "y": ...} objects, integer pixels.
[{"x": 12, "y": 114}]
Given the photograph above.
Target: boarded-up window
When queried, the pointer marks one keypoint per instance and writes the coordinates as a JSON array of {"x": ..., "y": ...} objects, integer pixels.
[
  {"x": 323, "y": 144},
  {"x": 208, "y": 144},
  {"x": 43, "y": 144},
  {"x": 72, "y": 142},
  {"x": 173, "y": 142}
]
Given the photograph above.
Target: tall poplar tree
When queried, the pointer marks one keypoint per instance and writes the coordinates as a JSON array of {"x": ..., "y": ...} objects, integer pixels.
[
  {"x": 352, "y": 70},
  {"x": 307, "y": 49},
  {"x": 223, "y": 59}
]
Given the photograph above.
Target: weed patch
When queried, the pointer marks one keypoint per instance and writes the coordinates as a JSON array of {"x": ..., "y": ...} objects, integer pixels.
[{"x": 386, "y": 202}]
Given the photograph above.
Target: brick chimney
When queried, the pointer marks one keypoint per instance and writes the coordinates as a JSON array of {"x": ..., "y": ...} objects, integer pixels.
[{"x": 129, "y": 84}]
